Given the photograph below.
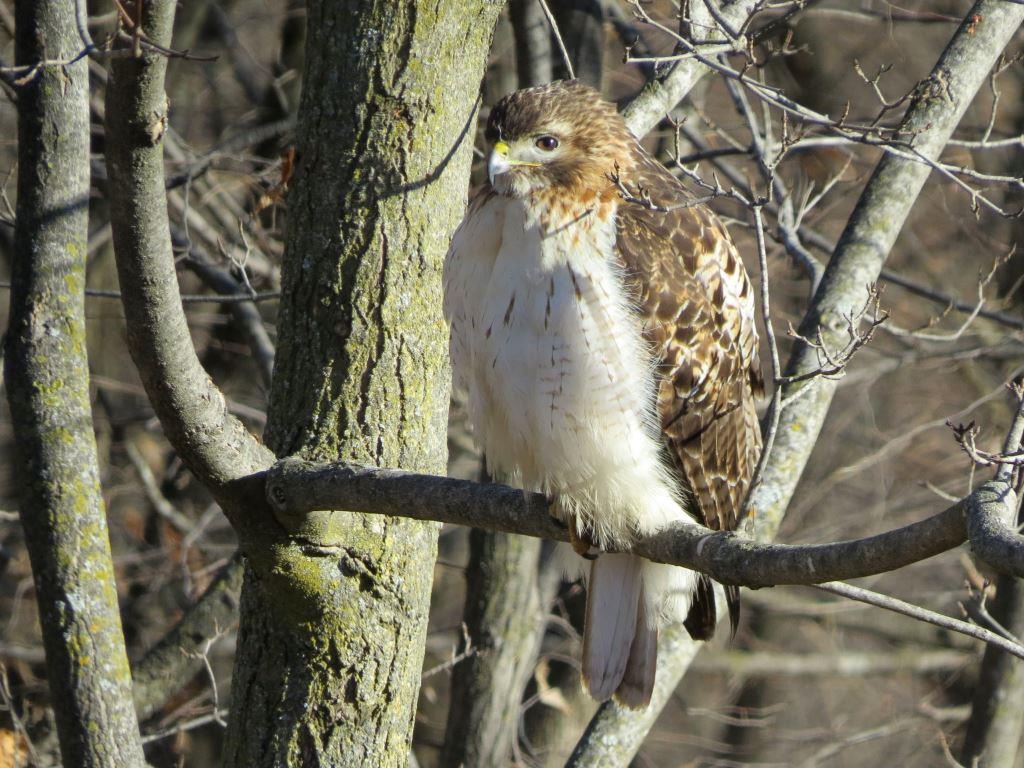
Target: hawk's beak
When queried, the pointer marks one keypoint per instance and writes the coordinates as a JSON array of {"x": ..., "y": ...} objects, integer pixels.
[
  {"x": 501, "y": 162},
  {"x": 498, "y": 163}
]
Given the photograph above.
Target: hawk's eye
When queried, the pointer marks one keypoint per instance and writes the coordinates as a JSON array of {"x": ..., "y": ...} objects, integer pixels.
[{"x": 547, "y": 143}]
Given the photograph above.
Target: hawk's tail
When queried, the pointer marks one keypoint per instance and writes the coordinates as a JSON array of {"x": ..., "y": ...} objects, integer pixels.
[
  {"x": 614, "y": 594},
  {"x": 626, "y": 598}
]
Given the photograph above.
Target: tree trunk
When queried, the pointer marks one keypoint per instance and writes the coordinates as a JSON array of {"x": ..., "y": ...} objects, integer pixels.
[
  {"x": 503, "y": 609},
  {"x": 47, "y": 377},
  {"x": 997, "y": 715},
  {"x": 328, "y": 669}
]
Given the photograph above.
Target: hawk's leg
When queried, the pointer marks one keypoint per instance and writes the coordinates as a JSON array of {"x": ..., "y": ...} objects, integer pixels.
[{"x": 581, "y": 542}]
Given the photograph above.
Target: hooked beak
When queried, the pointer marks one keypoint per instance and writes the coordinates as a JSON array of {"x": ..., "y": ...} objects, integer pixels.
[{"x": 499, "y": 162}]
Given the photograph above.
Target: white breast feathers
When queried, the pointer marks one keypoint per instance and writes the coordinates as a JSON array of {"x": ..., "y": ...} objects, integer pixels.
[{"x": 560, "y": 381}]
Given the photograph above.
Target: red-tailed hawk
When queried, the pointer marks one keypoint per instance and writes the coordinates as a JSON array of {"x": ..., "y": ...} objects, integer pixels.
[{"x": 609, "y": 350}]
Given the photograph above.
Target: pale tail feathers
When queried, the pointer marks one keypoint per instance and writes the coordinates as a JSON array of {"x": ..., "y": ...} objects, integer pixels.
[
  {"x": 627, "y": 599},
  {"x": 613, "y": 599},
  {"x": 637, "y": 683}
]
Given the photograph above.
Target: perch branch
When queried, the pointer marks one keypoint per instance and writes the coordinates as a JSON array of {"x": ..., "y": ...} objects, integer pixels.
[{"x": 295, "y": 487}]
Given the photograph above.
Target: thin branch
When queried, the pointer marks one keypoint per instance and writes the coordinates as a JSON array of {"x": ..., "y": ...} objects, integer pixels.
[
  {"x": 923, "y": 614},
  {"x": 161, "y": 505},
  {"x": 187, "y": 298},
  {"x": 566, "y": 60},
  {"x": 774, "y": 407},
  {"x": 965, "y": 436},
  {"x": 832, "y": 363},
  {"x": 1003, "y": 318},
  {"x": 246, "y": 316},
  {"x": 841, "y": 664}
]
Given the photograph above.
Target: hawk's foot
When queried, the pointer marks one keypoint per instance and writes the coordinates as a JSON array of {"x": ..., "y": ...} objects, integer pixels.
[{"x": 581, "y": 543}]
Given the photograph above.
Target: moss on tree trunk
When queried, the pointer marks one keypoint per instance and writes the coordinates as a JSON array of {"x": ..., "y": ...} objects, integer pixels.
[
  {"x": 333, "y": 622},
  {"x": 47, "y": 379}
]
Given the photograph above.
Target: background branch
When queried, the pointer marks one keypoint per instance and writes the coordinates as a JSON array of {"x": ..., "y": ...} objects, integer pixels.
[
  {"x": 214, "y": 444},
  {"x": 661, "y": 96},
  {"x": 177, "y": 657}
]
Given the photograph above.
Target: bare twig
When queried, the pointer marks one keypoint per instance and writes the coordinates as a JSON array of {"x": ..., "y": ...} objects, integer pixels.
[
  {"x": 923, "y": 614},
  {"x": 566, "y": 60},
  {"x": 660, "y": 96},
  {"x": 188, "y": 298},
  {"x": 157, "y": 500},
  {"x": 832, "y": 363}
]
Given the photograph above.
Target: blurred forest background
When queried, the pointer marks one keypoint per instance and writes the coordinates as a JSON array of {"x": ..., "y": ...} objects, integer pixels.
[{"x": 809, "y": 679}]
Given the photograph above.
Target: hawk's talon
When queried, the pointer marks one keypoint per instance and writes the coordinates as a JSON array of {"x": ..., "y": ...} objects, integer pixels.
[{"x": 582, "y": 544}]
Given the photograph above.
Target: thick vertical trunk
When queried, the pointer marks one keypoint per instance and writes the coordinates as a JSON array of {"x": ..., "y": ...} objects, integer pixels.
[
  {"x": 47, "y": 378},
  {"x": 330, "y": 654}
]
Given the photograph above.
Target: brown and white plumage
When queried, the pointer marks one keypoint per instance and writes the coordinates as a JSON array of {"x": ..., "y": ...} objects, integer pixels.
[
  {"x": 698, "y": 305},
  {"x": 610, "y": 355}
]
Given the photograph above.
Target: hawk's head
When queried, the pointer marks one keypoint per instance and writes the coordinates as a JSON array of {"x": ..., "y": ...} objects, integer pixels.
[{"x": 561, "y": 136}]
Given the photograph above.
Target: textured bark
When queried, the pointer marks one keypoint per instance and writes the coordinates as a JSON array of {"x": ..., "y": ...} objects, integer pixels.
[
  {"x": 331, "y": 635},
  {"x": 989, "y": 528},
  {"x": 503, "y": 610},
  {"x": 47, "y": 378}
]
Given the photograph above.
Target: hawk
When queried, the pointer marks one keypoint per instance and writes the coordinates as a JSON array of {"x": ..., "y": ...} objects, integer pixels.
[{"x": 603, "y": 326}]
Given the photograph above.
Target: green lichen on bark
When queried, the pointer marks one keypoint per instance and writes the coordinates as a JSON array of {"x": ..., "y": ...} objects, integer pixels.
[
  {"x": 333, "y": 619},
  {"x": 47, "y": 379}
]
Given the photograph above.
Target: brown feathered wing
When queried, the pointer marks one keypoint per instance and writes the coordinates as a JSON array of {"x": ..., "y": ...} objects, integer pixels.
[{"x": 697, "y": 305}]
